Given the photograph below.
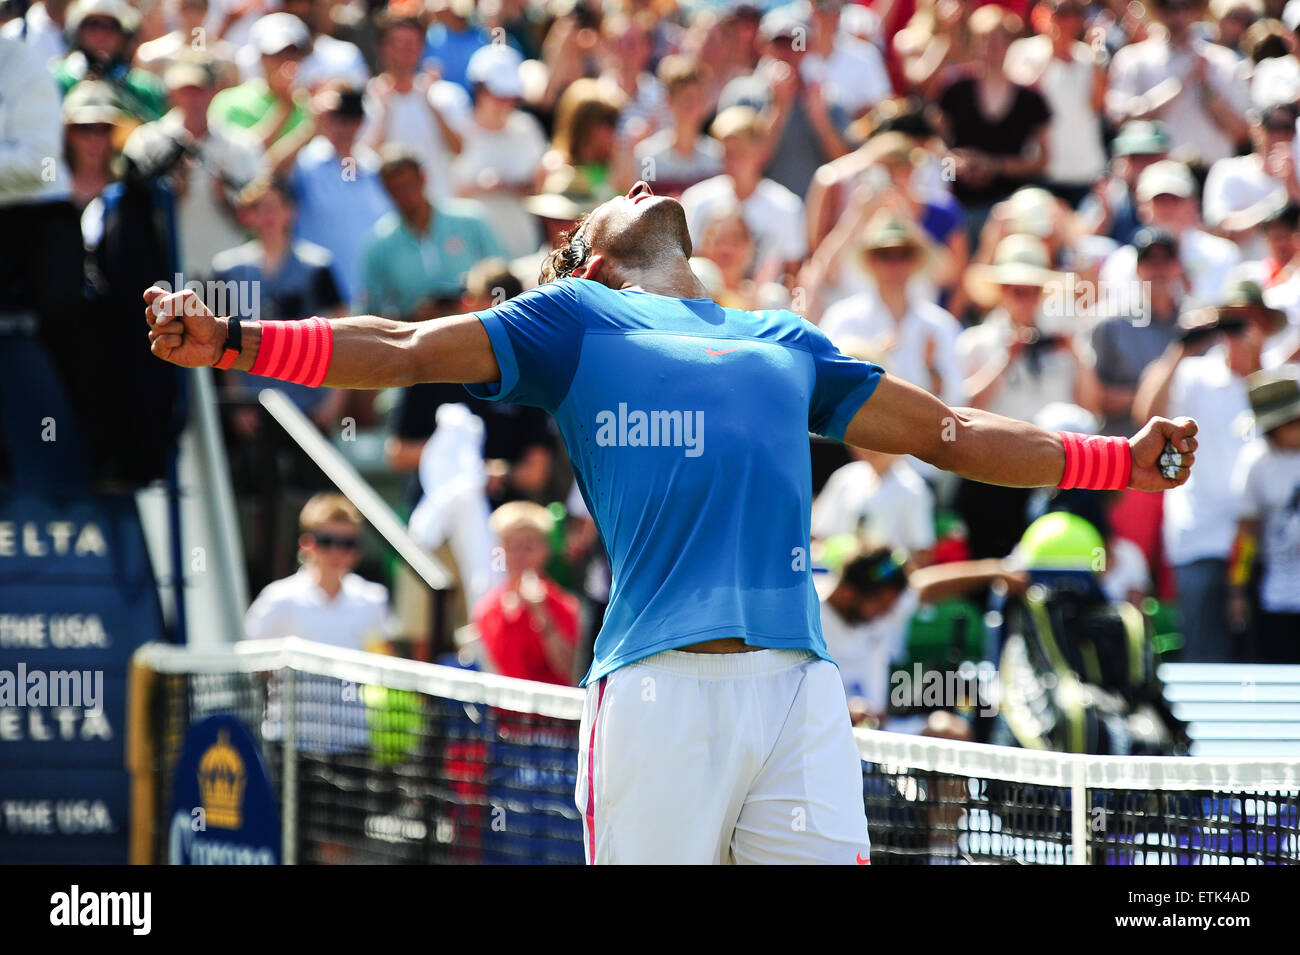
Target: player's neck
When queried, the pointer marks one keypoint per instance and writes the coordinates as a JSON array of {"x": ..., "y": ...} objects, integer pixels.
[{"x": 674, "y": 279}]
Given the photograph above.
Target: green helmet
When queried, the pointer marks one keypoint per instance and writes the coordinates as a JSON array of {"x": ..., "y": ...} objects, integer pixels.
[{"x": 1061, "y": 541}]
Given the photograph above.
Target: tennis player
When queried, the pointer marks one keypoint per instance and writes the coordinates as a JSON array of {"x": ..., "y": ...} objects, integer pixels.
[{"x": 715, "y": 728}]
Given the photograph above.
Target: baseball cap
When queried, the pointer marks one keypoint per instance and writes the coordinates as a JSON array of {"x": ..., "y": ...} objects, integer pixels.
[
  {"x": 123, "y": 13},
  {"x": 276, "y": 32},
  {"x": 496, "y": 66},
  {"x": 191, "y": 69},
  {"x": 787, "y": 21},
  {"x": 89, "y": 103},
  {"x": 1141, "y": 137},
  {"x": 1165, "y": 178}
]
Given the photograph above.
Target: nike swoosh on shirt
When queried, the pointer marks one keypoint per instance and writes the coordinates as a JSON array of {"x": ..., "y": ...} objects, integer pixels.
[
  {"x": 714, "y": 354},
  {"x": 862, "y": 861}
]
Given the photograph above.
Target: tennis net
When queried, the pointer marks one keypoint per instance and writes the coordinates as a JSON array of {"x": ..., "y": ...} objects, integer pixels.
[{"x": 381, "y": 760}]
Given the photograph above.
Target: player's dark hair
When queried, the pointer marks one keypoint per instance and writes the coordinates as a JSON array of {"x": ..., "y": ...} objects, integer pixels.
[{"x": 571, "y": 254}]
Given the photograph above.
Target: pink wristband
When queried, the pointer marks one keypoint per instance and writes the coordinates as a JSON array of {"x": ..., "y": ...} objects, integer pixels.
[
  {"x": 1096, "y": 462},
  {"x": 295, "y": 351}
]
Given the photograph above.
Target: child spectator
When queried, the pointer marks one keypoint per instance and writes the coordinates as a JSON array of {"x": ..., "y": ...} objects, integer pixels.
[
  {"x": 1267, "y": 485},
  {"x": 324, "y": 601},
  {"x": 528, "y": 625}
]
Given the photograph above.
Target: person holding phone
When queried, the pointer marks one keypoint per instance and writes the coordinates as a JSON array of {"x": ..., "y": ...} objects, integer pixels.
[{"x": 1203, "y": 372}]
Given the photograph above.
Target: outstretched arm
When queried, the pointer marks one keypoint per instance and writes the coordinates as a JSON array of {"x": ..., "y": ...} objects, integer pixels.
[
  {"x": 901, "y": 418},
  {"x": 368, "y": 352}
]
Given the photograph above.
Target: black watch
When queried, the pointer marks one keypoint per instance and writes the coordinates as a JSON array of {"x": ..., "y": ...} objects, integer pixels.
[{"x": 234, "y": 344}]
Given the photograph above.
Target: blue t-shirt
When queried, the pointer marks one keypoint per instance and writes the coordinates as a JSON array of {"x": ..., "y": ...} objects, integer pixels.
[{"x": 687, "y": 425}]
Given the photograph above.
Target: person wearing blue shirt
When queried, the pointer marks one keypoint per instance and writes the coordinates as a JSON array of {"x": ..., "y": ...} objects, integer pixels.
[
  {"x": 452, "y": 39},
  {"x": 335, "y": 182},
  {"x": 715, "y": 727},
  {"x": 418, "y": 255}
]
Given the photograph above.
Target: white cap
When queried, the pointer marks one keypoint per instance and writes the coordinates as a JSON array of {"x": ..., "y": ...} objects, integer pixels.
[
  {"x": 496, "y": 66},
  {"x": 1165, "y": 177},
  {"x": 276, "y": 32},
  {"x": 1291, "y": 15}
]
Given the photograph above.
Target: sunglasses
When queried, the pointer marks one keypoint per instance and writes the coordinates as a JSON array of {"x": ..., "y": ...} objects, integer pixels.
[
  {"x": 1023, "y": 291},
  {"x": 329, "y": 540},
  {"x": 100, "y": 23},
  {"x": 97, "y": 129},
  {"x": 1232, "y": 326}
]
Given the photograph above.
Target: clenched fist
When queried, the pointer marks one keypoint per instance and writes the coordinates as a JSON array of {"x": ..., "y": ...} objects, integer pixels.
[
  {"x": 1148, "y": 448},
  {"x": 181, "y": 329}
]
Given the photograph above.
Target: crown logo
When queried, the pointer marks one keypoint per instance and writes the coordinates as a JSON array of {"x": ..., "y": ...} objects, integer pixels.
[{"x": 221, "y": 784}]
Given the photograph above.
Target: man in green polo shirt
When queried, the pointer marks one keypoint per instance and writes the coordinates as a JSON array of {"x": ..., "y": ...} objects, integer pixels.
[
  {"x": 415, "y": 263},
  {"x": 269, "y": 108}
]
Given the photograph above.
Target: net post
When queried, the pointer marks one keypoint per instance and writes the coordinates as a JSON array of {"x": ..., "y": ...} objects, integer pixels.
[
  {"x": 1079, "y": 810},
  {"x": 142, "y": 762},
  {"x": 289, "y": 772}
]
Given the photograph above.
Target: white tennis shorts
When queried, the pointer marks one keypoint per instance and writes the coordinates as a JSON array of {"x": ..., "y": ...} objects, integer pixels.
[{"x": 721, "y": 758}]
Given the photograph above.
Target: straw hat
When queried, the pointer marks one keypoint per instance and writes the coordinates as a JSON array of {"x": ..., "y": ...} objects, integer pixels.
[
  {"x": 887, "y": 231},
  {"x": 1018, "y": 260},
  {"x": 564, "y": 197}
]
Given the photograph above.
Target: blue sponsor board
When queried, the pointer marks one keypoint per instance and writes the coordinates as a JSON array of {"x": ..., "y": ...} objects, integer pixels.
[
  {"x": 77, "y": 597},
  {"x": 223, "y": 810},
  {"x": 64, "y": 816}
]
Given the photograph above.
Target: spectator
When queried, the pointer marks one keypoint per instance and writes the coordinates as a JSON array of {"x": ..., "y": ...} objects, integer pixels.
[
  {"x": 452, "y": 40},
  {"x": 326, "y": 59},
  {"x": 528, "y": 625},
  {"x": 728, "y": 245},
  {"x": 1111, "y": 209},
  {"x": 852, "y": 70},
  {"x": 802, "y": 128},
  {"x": 415, "y": 263},
  {"x": 1166, "y": 196},
  {"x": 190, "y": 33},
  {"x": 100, "y": 33},
  {"x": 1203, "y": 374},
  {"x": 413, "y": 108},
  {"x": 1140, "y": 329},
  {"x": 1232, "y": 20},
  {"x": 91, "y": 119},
  {"x": 773, "y": 213},
  {"x": 1192, "y": 85},
  {"x": 998, "y": 130},
  {"x": 1266, "y": 482},
  {"x": 910, "y": 336},
  {"x": 336, "y": 186},
  {"x": 629, "y": 50},
  {"x": 502, "y": 147},
  {"x": 1242, "y": 191},
  {"x": 586, "y": 139},
  {"x": 878, "y": 497},
  {"x": 1279, "y": 230},
  {"x": 1273, "y": 69},
  {"x": 891, "y": 165},
  {"x": 43, "y": 29},
  {"x": 292, "y": 278},
  {"x": 269, "y": 106},
  {"x": 208, "y": 164},
  {"x": 324, "y": 601},
  {"x": 680, "y": 155},
  {"x": 1071, "y": 75},
  {"x": 1014, "y": 368},
  {"x": 864, "y": 621}
]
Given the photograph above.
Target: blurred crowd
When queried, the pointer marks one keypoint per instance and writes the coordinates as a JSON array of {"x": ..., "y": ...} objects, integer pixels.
[{"x": 1078, "y": 214}]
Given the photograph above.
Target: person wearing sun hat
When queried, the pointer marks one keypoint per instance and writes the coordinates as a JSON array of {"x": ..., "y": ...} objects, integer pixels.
[
  {"x": 1014, "y": 367},
  {"x": 99, "y": 35},
  {"x": 915, "y": 339},
  {"x": 1266, "y": 484}
]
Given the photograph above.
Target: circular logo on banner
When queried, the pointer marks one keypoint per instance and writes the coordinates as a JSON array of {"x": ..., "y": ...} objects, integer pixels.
[{"x": 223, "y": 809}]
